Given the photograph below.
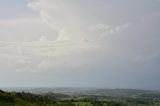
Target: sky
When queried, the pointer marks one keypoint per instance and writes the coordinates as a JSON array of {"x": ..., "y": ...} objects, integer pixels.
[{"x": 80, "y": 43}]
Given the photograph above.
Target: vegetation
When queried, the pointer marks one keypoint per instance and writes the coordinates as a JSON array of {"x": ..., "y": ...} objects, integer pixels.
[{"x": 116, "y": 97}]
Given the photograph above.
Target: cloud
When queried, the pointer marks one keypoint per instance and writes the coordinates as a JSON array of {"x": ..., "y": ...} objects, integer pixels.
[
  {"x": 102, "y": 42},
  {"x": 28, "y": 28},
  {"x": 73, "y": 43},
  {"x": 103, "y": 29},
  {"x": 59, "y": 15},
  {"x": 69, "y": 46},
  {"x": 43, "y": 55},
  {"x": 54, "y": 13}
]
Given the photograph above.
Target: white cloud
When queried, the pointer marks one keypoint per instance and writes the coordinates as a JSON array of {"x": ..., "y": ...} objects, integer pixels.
[
  {"x": 19, "y": 29},
  {"x": 55, "y": 13},
  {"x": 103, "y": 29},
  {"x": 60, "y": 17},
  {"x": 73, "y": 42},
  {"x": 69, "y": 48},
  {"x": 43, "y": 54}
]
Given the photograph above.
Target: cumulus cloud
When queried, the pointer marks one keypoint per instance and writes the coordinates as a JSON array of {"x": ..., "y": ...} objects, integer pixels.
[
  {"x": 72, "y": 44},
  {"x": 56, "y": 14},
  {"x": 69, "y": 46},
  {"x": 59, "y": 16}
]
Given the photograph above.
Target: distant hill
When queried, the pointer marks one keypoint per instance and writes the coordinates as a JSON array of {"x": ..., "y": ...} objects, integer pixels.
[
  {"x": 87, "y": 97},
  {"x": 119, "y": 92}
]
